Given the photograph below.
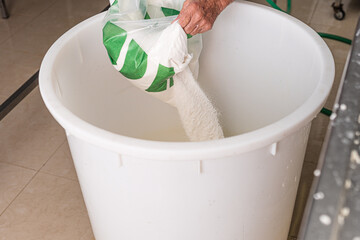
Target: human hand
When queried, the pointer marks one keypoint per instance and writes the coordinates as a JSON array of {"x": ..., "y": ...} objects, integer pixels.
[{"x": 198, "y": 16}]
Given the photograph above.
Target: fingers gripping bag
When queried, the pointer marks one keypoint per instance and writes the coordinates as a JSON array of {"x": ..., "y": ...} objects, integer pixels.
[{"x": 157, "y": 56}]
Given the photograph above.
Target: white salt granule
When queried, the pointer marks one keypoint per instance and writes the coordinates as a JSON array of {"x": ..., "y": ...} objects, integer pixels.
[{"x": 198, "y": 115}]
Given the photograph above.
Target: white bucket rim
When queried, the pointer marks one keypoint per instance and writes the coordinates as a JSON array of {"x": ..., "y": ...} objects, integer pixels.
[{"x": 159, "y": 150}]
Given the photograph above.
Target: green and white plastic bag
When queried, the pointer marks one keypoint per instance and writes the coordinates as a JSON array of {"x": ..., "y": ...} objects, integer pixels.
[{"x": 158, "y": 57}]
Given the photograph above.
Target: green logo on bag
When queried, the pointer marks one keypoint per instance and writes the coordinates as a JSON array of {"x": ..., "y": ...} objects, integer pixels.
[{"x": 136, "y": 60}]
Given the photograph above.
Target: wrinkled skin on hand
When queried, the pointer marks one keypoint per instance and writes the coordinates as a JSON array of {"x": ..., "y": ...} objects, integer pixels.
[{"x": 198, "y": 16}]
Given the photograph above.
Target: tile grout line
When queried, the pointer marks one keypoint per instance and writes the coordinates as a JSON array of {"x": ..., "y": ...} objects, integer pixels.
[
  {"x": 49, "y": 160},
  {"x": 18, "y": 30},
  {"x": 19, "y": 193},
  {"x": 50, "y": 5},
  {"x": 53, "y": 175},
  {"x": 16, "y": 165},
  {"x": 313, "y": 13},
  {"x": 31, "y": 20},
  {"x": 52, "y": 155},
  {"x": 36, "y": 173},
  {"x": 28, "y": 86}
]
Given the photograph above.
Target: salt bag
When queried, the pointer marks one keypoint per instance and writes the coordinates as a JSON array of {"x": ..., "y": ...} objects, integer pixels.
[{"x": 160, "y": 59}]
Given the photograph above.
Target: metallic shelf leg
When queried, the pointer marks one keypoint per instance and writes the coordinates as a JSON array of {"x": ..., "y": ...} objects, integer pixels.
[{"x": 4, "y": 12}]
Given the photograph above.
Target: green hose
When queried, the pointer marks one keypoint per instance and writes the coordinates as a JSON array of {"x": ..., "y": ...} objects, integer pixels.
[
  {"x": 274, "y": 5},
  {"x": 323, "y": 35},
  {"x": 335, "y": 37},
  {"x": 288, "y": 8},
  {"x": 324, "y": 111}
]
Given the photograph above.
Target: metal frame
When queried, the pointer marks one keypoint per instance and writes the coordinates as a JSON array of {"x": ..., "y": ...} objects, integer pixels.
[
  {"x": 23, "y": 91},
  {"x": 4, "y": 12},
  {"x": 18, "y": 95},
  {"x": 333, "y": 208}
]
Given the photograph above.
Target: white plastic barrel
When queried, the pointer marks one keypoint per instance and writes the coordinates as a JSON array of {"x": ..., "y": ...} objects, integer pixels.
[{"x": 267, "y": 73}]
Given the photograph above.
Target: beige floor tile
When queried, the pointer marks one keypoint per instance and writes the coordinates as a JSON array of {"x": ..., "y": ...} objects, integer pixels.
[
  {"x": 12, "y": 180},
  {"x": 11, "y": 25},
  {"x": 300, "y": 9},
  {"x": 324, "y": 15},
  {"x": 339, "y": 50},
  {"x": 53, "y": 22},
  {"x": 15, "y": 68},
  {"x": 29, "y": 135},
  {"x": 63, "y": 15},
  {"x": 31, "y": 41},
  {"x": 28, "y": 7},
  {"x": 49, "y": 208},
  {"x": 2, "y": 99},
  {"x": 307, "y": 176},
  {"x": 37, "y": 36},
  {"x": 346, "y": 30},
  {"x": 61, "y": 163},
  {"x": 303, "y": 9},
  {"x": 77, "y": 11}
]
